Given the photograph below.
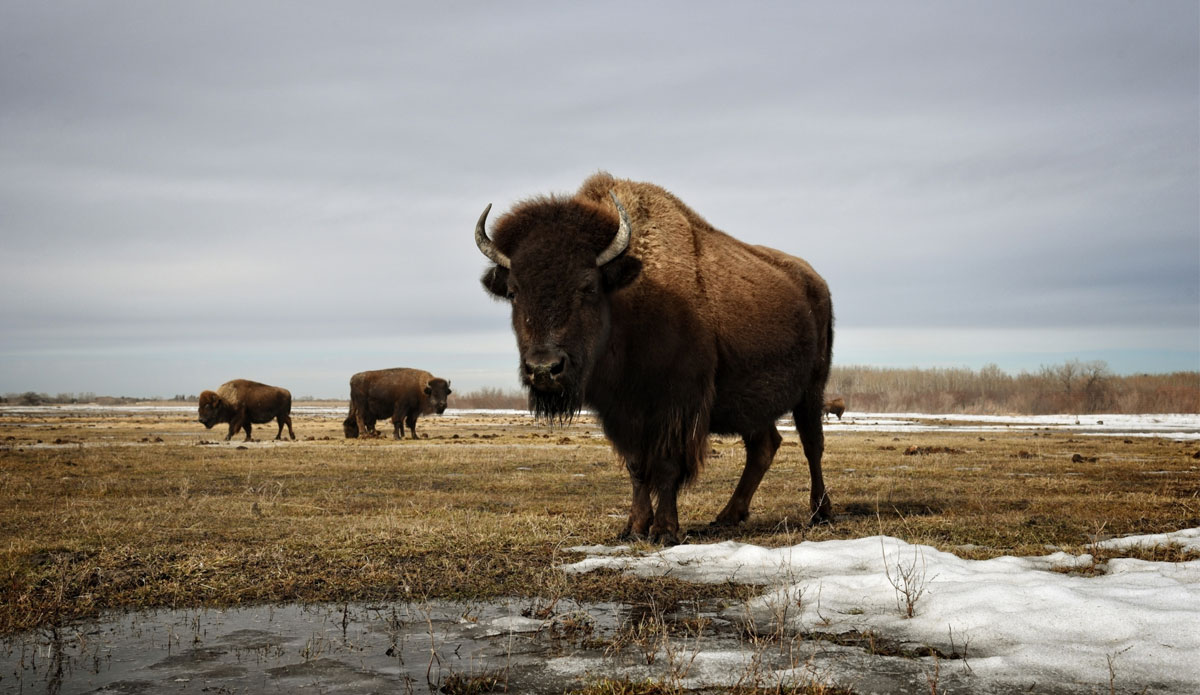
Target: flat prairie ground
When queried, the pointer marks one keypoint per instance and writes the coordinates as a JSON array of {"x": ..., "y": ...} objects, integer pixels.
[{"x": 115, "y": 510}]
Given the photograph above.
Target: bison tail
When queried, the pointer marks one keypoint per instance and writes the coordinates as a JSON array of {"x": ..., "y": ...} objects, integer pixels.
[{"x": 695, "y": 451}]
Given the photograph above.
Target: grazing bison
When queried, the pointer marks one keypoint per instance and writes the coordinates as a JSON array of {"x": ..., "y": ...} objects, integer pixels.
[
  {"x": 401, "y": 394},
  {"x": 837, "y": 406},
  {"x": 626, "y": 301},
  {"x": 242, "y": 403}
]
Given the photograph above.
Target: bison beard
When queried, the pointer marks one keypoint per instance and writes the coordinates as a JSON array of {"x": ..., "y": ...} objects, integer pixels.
[{"x": 559, "y": 407}]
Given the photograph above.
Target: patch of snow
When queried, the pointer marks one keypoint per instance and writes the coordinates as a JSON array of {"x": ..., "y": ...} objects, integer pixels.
[
  {"x": 511, "y": 624},
  {"x": 1171, "y": 425},
  {"x": 1188, "y": 539},
  {"x": 599, "y": 549},
  {"x": 1021, "y": 624}
]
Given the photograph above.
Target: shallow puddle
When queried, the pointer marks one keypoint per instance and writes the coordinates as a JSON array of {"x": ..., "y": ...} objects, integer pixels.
[{"x": 516, "y": 646}]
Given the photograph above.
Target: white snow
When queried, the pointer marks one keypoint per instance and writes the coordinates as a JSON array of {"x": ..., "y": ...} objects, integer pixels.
[
  {"x": 1188, "y": 539},
  {"x": 1175, "y": 425},
  {"x": 510, "y": 624},
  {"x": 1020, "y": 623}
]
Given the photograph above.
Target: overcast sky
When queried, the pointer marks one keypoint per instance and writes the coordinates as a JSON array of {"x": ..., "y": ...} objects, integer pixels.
[{"x": 193, "y": 192}]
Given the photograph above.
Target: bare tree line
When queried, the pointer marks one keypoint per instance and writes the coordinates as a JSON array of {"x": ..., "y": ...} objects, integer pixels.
[{"x": 1071, "y": 387}]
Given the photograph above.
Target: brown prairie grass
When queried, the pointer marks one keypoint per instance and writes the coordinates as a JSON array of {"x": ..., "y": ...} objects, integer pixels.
[{"x": 487, "y": 506}]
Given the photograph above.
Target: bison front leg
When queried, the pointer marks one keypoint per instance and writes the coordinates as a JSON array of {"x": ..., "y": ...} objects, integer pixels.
[
  {"x": 665, "y": 529},
  {"x": 760, "y": 452},
  {"x": 658, "y": 482},
  {"x": 366, "y": 427},
  {"x": 641, "y": 512},
  {"x": 411, "y": 421},
  {"x": 236, "y": 422}
]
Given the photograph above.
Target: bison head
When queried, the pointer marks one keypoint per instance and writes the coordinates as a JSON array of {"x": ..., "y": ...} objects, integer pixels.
[
  {"x": 436, "y": 391},
  {"x": 350, "y": 427},
  {"x": 210, "y": 409},
  {"x": 558, "y": 262}
]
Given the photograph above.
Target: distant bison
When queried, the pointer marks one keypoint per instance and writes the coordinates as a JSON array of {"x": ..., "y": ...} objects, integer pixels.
[
  {"x": 242, "y": 403},
  {"x": 626, "y": 301},
  {"x": 401, "y": 394},
  {"x": 837, "y": 406}
]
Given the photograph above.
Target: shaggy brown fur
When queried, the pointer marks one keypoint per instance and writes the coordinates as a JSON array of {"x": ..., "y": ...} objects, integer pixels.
[
  {"x": 837, "y": 406},
  {"x": 242, "y": 403},
  {"x": 401, "y": 394},
  {"x": 687, "y": 332}
]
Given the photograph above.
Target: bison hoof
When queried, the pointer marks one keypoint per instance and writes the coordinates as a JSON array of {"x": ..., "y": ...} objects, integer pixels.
[
  {"x": 630, "y": 536},
  {"x": 729, "y": 520},
  {"x": 821, "y": 516},
  {"x": 664, "y": 538}
]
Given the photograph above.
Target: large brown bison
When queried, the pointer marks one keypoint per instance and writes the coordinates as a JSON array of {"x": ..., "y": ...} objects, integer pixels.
[
  {"x": 401, "y": 394},
  {"x": 627, "y": 302},
  {"x": 242, "y": 403},
  {"x": 837, "y": 406}
]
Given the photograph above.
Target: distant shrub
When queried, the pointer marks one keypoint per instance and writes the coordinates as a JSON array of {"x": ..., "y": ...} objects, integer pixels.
[
  {"x": 1071, "y": 387},
  {"x": 488, "y": 398}
]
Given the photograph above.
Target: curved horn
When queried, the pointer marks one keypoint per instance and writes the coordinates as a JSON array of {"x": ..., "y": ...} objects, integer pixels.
[
  {"x": 485, "y": 244},
  {"x": 620, "y": 242}
]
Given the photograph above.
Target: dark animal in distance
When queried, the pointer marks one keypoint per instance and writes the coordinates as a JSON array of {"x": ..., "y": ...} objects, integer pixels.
[
  {"x": 836, "y": 406},
  {"x": 243, "y": 403},
  {"x": 401, "y": 394},
  {"x": 626, "y": 301}
]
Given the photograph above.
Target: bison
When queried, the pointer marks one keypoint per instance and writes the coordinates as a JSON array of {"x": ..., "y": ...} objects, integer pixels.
[
  {"x": 242, "y": 403},
  {"x": 627, "y": 302},
  {"x": 836, "y": 406},
  {"x": 401, "y": 394}
]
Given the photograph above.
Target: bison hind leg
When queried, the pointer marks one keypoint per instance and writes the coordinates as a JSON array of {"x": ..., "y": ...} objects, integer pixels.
[
  {"x": 285, "y": 420},
  {"x": 760, "y": 453},
  {"x": 812, "y": 437}
]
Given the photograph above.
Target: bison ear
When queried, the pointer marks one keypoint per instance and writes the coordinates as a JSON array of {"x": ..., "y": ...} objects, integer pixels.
[
  {"x": 620, "y": 272},
  {"x": 495, "y": 280},
  {"x": 428, "y": 391}
]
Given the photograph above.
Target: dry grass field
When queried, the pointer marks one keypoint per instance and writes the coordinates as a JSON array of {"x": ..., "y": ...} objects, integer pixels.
[{"x": 148, "y": 509}]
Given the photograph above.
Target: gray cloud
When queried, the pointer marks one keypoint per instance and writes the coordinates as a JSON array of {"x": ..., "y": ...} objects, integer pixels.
[{"x": 172, "y": 175}]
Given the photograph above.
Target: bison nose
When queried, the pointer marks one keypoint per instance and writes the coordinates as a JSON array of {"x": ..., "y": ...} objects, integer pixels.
[{"x": 542, "y": 369}]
